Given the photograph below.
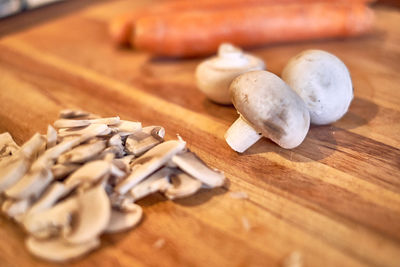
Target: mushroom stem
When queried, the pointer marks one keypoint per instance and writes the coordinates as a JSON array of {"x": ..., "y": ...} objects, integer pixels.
[{"x": 241, "y": 135}]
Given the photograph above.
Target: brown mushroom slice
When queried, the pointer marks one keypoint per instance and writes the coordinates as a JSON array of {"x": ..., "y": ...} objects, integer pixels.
[
  {"x": 72, "y": 113},
  {"x": 127, "y": 127},
  {"x": 58, "y": 250},
  {"x": 140, "y": 142},
  {"x": 82, "y": 153},
  {"x": 11, "y": 171},
  {"x": 152, "y": 160},
  {"x": 51, "y": 221},
  {"x": 69, "y": 123},
  {"x": 158, "y": 181},
  {"x": 51, "y": 137},
  {"x": 32, "y": 146},
  {"x": 91, "y": 172},
  {"x": 61, "y": 170},
  {"x": 54, "y": 192},
  {"x": 31, "y": 185},
  {"x": 183, "y": 185},
  {"x": 121, "y": 221},
  {"x": 193, "y": 165},
  {"x": 92, "y": 130},
  {"x": 93, "y": 216}
]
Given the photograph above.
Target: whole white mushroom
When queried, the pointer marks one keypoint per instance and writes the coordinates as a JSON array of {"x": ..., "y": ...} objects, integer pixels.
[
  {"x": 267, "y": 107},
  {"x": 215, "y": 74},
  {"x": 323, "y": 82}
]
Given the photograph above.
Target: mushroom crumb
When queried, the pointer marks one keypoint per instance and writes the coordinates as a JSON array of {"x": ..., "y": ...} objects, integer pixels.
[
  {"x": 72, "y": 185},
  {"x": 239, "y": 195},
  {"x": 160, "y": 243},
  {"x": 246, "y": 224},
  {"x": 294, "y": 259}
]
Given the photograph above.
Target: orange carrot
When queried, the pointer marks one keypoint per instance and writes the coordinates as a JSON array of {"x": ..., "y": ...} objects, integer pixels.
[
  {"x": 200, "y": 33},
  {"x": 120, "y": 27}
]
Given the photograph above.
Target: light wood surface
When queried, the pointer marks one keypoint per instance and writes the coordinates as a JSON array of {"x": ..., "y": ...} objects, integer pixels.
[{"x": 335, "y": 199}]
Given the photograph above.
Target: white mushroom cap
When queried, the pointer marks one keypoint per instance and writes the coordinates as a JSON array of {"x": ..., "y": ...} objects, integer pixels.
[
  {"x": 214, "y": 75},
  {"x": 323, "y": 82},
  {"x": 270, "y": 107}
]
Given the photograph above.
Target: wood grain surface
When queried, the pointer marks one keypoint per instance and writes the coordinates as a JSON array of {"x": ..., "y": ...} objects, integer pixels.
[{"x": 335, "y": 200}]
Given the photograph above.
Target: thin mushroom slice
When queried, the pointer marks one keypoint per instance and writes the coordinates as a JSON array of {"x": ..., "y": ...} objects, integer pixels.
[
  {"x": 122, "y": 221},
  {"x": 90, "y": 173},
  {"x": 93, "y": 216},
  {"x": 6, "y": 139},
  {"x": 155, "y": 131},
  {"x": 182, "y": 186},
  {"x": 127, "y": 127},
  {"x": 47, "y": 159},
  {"x": 116, "y": 142},
  {"x": 51, "y": 137},
  {"x": 82, "y": 153},
  {"x": 123, "y": 163},
  {"x": 51, "y": 221},
  {"x": 140, "y": 142},
  {"x": 60, "y": 171},
  {"x": 69, "y": 123},
  {"x": 158, "y": 181},
  {"x": 7, "y": 146},
  {"x": 92, "y": 130},
  {"x": 12, "y": 172},
  {"x": 58, "y": 250},
  {"x": 32, "y": 146},
  {"x": 54, "y": 192},
  {"x": 15, "y": 208},
  {"x": 193, "y": 165},
  {"x": 31, "y": 185},
  {"x": 156, "y": 158},
  {"x": 72, "y": 113}
]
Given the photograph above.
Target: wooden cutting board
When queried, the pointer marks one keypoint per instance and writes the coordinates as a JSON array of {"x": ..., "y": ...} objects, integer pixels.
[{"x": 333, "y": 201}]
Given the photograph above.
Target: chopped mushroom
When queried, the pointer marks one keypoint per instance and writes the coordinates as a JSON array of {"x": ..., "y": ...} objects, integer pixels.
[
  {"x": 59, "y": 250},
  {"x": 83, "y": 152},
  {"x": 127, "y": 127},
  {"x": 193, "y": 165},
  {"x": 92, "y": 217},
  {"x": 62, "y": 170},
  {"x": 12, "y": 171},
  {"x": 67, "y": 123},
  {"x": 31, "y": 185},
  {"x": 97, "y": 184},
  {"x": 52, "y": 221},
  {"x": 158, "y": 181},
  {"x": 183, "y": 185},
  {"x": 91, "y": 172},
  {"x": 55, "y": 192},
  {"x": 140, "y": 142},
  {"x": 97, "y": 129},
  {"x": 69, "y": 114},
  {"x": 7, "y": 146},
  {"x": 121, "y": 221},
  {"x": 150, "y": 162},
  {"x": 32, "y": 146},
  {"x": 51, "y": 137},
  {"x": 14, "y": 208}
]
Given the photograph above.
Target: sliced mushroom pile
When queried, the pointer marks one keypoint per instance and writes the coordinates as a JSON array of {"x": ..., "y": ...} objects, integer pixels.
[{"x": 84, "y": 176}]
